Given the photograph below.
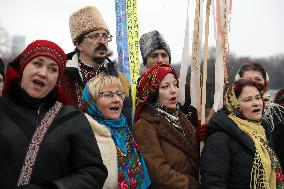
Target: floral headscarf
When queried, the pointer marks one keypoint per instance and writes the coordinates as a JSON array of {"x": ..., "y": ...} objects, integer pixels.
[
  {"x": 149, "y": 84},
  {"x": 132, "y": 170},
  {"x": 230, "y": 100}
]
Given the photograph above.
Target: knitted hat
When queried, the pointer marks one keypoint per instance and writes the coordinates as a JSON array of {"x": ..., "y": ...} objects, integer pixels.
[
  {"x": 85, "y": 20},
  {"x": 35, "y": 49},
  {"x": 152, "y": 41},
  {"x": 149, "y": 84},
  {"x": 1, "y": 67}
]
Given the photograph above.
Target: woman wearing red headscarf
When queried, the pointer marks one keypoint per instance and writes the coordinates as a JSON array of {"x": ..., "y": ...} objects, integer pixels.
[
  {"x": 164, "y": 135},
  {"x": 44, "y": 144}
]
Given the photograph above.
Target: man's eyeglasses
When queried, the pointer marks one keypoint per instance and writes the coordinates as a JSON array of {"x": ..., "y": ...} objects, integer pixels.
[
  {"x": 100, "y": 36},
  {"x": 108, "y": 95}
]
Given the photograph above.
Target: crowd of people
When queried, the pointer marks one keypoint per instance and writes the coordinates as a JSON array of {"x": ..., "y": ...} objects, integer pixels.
[{"x": 66, "y": 121}]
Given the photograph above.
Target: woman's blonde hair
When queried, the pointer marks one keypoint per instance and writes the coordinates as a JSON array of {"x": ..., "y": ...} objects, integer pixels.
[{"x": 98, "y": 83}]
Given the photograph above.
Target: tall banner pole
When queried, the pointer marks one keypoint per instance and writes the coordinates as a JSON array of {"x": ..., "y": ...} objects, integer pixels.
[
  {"x": 222, "y": 49},
  {"x": 205, "y": 66},
  {"x": 185, "y": 62},
  {"x": 133, "y": 46},
  {"x": 122, "y": 38},
  {"x": 127, "y": 39},
  {"x": 195, "y": 84}
]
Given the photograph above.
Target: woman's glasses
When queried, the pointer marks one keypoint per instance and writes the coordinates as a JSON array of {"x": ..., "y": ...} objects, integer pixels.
[{"x": 108, "y": 95}]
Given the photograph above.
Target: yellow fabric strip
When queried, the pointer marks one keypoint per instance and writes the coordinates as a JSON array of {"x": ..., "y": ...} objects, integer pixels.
[{"x": 133, "y": 46}]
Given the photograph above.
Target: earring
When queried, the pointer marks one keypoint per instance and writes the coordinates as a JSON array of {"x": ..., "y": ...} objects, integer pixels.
[
  {"x": 239, "y": 112},
  {"x": 239, "y": 108}
]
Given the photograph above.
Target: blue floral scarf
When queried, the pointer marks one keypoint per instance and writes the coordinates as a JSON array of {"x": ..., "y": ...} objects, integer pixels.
[{"x": 132, "y": 170}]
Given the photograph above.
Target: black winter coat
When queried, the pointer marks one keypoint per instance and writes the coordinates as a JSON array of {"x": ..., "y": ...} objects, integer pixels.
[
  {"x": 227, "y": 157},
  {"x": 68, "y": 158},
  {"x": 278, "y": 142}
]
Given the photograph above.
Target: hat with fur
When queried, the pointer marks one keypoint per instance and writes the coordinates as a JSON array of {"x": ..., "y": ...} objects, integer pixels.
[
  {"x": 85, "y": 20},
  {"x": 152, "y": 41}
]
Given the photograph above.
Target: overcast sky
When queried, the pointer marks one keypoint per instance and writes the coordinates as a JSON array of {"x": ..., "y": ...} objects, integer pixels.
[{"x": 257, "y": 29}]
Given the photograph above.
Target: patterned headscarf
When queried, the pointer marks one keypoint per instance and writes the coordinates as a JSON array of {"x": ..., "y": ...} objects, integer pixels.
[
  {"x": 132, "y": 170},
  {"x": 35, "y": 49},
  {"x": 149, "y": 84},
  {"x": 230, "y": 100},
  {"x": 266, "y": 171}
]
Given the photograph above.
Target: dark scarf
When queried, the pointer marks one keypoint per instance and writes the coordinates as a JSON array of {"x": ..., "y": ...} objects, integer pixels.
[{"x": 20, "y": 96}]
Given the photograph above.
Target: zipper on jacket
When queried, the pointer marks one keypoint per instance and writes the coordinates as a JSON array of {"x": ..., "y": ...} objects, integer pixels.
[{"x": 37, "y": 116}]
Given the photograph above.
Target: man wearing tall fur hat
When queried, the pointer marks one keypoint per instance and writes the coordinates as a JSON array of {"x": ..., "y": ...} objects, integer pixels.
[
  {"x": 154, "y": 49},
  {"x": 90, "y": 36}
]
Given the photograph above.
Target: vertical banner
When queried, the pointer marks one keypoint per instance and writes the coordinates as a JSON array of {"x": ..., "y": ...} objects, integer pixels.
[
  {"x": 195, "y": 82},
  {"x": 185, "y": 62},
  {"x": 222, "y": 25},
  {"x": 133, "y": 45},
  {"x": 204, "y": 74},
  {"x": 122, "y": 38}
]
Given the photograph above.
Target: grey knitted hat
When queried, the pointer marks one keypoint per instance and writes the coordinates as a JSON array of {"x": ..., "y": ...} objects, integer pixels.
[
  {"x": 85, "y": 20},
  {"x": 152, "y": 41}
]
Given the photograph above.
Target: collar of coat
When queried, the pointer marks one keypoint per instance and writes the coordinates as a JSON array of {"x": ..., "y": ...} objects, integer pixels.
[
  {"x": 221, "y": 122},
  {"x": 72, "y": 67},
  {"x": 186, "y": 143},
  {"x": 98, "y": 129}
]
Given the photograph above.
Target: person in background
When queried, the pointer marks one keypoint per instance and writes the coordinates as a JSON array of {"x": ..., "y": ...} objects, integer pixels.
[
  {"x": 2, "y": 76},
  {"x": 44, "y": 143},
  {"x": 164, "y": 135},
  {"x": 236, "y": 153},
  {"x": 154, "y": 49},
  {"x": 104, "y": 96},
  {"x": 256, "y": 72},
  {"x": 90, "y": 35},
  {"x": 278, "y": 132},
  {"x": 279, "y": 97},
  {"x": 273, "y": 113}
]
